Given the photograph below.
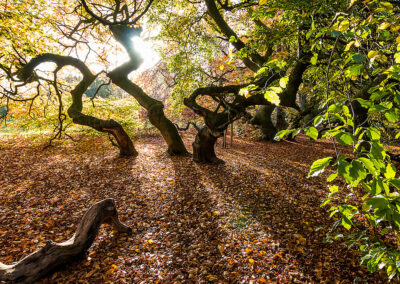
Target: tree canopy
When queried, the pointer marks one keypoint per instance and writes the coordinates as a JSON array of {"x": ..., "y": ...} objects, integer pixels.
[{"x": 327, "y": 69}]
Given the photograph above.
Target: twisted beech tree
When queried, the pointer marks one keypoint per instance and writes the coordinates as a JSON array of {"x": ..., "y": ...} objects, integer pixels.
[
  {"x": 231, "y": 104},
  {"x": 273, "y": 43},
  {"x": 120, "y": 19},
  {"x": 270, "y": 55}
]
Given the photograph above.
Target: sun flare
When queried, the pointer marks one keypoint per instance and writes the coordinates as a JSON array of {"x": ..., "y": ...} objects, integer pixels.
[{"x": 145, "y": 48}]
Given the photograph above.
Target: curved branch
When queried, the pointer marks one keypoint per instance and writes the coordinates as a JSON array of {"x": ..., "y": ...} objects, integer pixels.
[
  {"x": 75, "y": 110},
  {"x": 117, "y": 10},
  {"x": 256, "y": 59},
  {"x": 93, "y": 15},
  {"x": 141, "y": 14},
  {"x": 187, "y": 126}
]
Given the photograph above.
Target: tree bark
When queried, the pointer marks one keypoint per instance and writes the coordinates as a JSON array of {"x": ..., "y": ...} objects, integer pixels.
[
  {"x": 53, "y": 255},
  {"x": 119, "y": 76},
  {"x": 75, "y": 110},
  {"x": 168, "y": 131},
  {"x": 280, "y": 119},
  {"x": 264, "y": 120},
  {"x": 203, "y": 146}
]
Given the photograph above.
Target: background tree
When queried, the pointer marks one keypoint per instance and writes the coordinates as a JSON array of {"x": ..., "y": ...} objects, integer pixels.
[
  {"x": 278, "y": 66},
  {"x": 89, "y": 24}
]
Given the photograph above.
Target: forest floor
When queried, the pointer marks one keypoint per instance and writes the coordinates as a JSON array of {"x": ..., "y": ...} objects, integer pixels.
[{"x": 256, "y": 219}]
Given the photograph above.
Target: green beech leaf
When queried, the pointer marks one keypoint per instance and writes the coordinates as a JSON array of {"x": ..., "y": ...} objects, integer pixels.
[
  {"x": 314, "y": 59},
  {"x": 332, "y": 177},
  {"x": 390, "y": 171},
  {"x": 319, "y": 166},
  {"x": 392, "y": 116},
  {"x": 378, "y": 202},
  {"x": 395, "y": 182},
  {"x": 368, "y": 164},
  {"x": 356, "y": 69},
  {"x": 345, "y": 138},
  {"x": 311, "y": 132}
]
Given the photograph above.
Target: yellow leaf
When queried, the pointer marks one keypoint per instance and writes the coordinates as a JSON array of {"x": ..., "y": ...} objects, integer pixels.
[
  {"x": 251, "y": 261},
  {"x": 358, "y": 43},
  {"x": 262, "y": 2},
  {"x": 382, "y": 58},
  {"x": 387, "y": 6},
  {"x": 372, "y": 54},
  {"x": 349, "y": 45},
  {"x": 352, "y": 2},
  {"x": 150, "y": 241},
  {"x": 344, "y": 26},
  {"x": 110, "y": 271},
  {"x": 211, "y": 277},
  {"x": 216, "y": 213},
  {"x": 383, "y": 26},
  {"x": 394, "y": 29},
  {"x": 398, "y": 39}
]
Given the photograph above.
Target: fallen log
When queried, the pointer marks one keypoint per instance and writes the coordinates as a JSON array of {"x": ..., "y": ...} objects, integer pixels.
[{"x": 53, "y": 255}]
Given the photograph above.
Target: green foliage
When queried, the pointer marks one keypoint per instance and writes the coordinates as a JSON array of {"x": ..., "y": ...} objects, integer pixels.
[
  {"x": 43, "y": 118},
  {"x": 30, "y": 19},
  {"x": 319, "y": 166},
  {"x": 360, "y": 79}
]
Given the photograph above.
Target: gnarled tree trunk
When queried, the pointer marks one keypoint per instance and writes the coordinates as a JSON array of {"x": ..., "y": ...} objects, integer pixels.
[
  {"x": 155, "y": 112},
  {"x": 53, "y": 255},
  {"x": 75, "y": 110},
  {"x": 264, "y": 120},
  {"x": 280, "y": 119},
  {"x": 168, "y": 131},
  {"x": 203, "y": 146},
  {"x": 156, "y": 115}
]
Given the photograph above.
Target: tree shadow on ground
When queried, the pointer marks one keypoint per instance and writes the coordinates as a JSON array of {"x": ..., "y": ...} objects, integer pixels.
[
  {"x": 192, "y": 228},
  {"x": 273, "y": 191}
]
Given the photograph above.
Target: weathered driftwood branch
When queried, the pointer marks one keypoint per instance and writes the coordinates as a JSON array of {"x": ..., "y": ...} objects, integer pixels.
[{"x": 53, "y": 255}]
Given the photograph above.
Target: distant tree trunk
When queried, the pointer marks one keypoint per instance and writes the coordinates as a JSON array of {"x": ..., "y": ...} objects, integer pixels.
[
  {"x": 264, "y": 120},
  {"x": 53, "y": 255},
  {"x": 280, "y": 119},
  {"x": 203, "y": 146},
  {"x": 231, "y": 134},
  {"x": 224, "y": 139}
]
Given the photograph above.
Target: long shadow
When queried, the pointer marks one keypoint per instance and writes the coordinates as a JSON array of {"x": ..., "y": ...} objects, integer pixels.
[
  {"x": 275, "y": 193},
  {"x": 192, "y": 228}
]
